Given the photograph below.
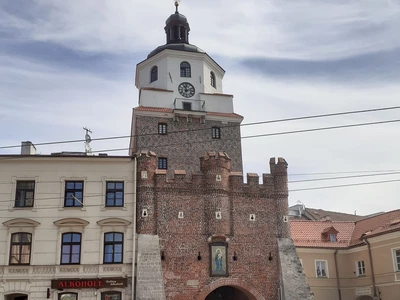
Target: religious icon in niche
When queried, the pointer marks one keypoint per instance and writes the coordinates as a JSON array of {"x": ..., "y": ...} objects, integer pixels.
[{"x": 218, "y": 259}]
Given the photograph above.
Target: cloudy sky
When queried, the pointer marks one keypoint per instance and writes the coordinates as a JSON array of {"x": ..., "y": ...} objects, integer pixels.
[{"x": 69, "y": 64}]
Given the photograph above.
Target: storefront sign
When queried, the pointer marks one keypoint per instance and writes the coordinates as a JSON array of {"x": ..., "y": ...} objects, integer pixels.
[{"x": 96, "y": 283}]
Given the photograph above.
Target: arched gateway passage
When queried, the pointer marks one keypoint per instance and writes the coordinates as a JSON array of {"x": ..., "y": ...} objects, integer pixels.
[{"x": 229, "y": 293}]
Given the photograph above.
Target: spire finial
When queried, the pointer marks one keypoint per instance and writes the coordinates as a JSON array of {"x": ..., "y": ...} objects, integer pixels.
[{"x": 176, "y": 5}]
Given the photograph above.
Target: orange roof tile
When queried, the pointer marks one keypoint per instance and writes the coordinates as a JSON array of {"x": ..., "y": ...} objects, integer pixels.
[
  {"x": 308, "y": 233},
  {"x": 154, "y": 109},
  {"x": 170, "y": 110},
  {"x": 376, "y": 225}
]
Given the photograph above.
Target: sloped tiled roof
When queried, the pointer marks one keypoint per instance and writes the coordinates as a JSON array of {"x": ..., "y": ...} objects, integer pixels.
[
  {"x": 318, "y": 214},
  {"x": 376, "y": 225},
  {"x": 308, "y": 233}
]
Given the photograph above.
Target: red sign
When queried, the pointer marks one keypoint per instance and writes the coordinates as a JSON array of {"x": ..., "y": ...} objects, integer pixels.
[{"x": 97, "y": 283}]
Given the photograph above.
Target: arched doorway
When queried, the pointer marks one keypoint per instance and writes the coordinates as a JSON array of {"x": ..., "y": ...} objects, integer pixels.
[
  {"x": 228, "y": 293},
  {"x": 16, "y": 297}
]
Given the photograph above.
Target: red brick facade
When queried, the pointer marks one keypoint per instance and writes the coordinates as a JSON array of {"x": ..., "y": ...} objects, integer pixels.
[
  {"x": 187, "y": 140},
  {"x": 252, "y": 255}
]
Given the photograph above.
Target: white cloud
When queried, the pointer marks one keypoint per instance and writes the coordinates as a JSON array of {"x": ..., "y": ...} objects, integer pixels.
[{"x": 310, "y": 29}]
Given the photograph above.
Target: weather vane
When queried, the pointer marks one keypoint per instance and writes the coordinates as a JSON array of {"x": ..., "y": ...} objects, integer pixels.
[
  {"x": 88, "y": 139},
  {"x": 176, "y": 5}
]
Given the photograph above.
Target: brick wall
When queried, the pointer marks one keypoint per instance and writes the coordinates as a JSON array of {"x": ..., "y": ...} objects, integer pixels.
[
  {"x": 185, "y": 242},
  {"x": 191, "y": 142}
]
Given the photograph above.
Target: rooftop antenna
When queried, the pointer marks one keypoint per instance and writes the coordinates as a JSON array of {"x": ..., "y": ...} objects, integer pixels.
[
  {"x": 88, "y": 139},
  {"x": 176, "y": 5}
]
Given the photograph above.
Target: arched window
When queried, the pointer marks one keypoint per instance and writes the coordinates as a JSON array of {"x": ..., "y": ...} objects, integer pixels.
[
  {"x": 185, "y": 69},
  {"x": 154, "y": 74},
  {"x": 212, "y": 79}
]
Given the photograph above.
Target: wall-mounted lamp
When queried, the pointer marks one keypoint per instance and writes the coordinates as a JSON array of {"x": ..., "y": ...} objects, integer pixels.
[
  {"x": 234, "y": 256},
  {"x": 162, "y": 255},
  {"x": 270, "y": 256},
  {"x": 199, "y": 256}
]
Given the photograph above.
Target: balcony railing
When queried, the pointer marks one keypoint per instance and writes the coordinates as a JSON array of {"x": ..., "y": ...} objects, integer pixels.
[{"x": 189, "y": 105}]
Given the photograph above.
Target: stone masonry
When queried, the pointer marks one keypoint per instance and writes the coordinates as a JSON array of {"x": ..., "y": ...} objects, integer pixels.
[
  {"x": 182, "y": 214},
  {"x": 187, "y": 140},
  {"x": 149, "y": 284},
  {"x": 294, "y": 281}
]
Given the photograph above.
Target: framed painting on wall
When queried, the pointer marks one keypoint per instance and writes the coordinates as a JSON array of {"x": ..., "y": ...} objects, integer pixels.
[{"x": 218, "y": 259}]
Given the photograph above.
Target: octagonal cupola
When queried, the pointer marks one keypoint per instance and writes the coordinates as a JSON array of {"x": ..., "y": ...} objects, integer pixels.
[{"x": 177, "y": 28}]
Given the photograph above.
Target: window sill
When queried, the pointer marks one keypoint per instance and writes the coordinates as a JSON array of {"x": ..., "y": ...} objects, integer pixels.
[
  {"x": 322, "y": 277},
  {"x": 114, "y": 208},
  {"x": 31, "y": 208},
  {"x": 83, "y": 208},
  {"x": 361, "y": 275}
]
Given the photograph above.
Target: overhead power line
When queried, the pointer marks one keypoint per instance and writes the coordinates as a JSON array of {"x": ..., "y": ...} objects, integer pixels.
[
  {"x": 343, "y": 185},
  {"x": 262, "y": 135},
  {"x": 241, "y": 125},
  {"x": 343, "y": 177}
]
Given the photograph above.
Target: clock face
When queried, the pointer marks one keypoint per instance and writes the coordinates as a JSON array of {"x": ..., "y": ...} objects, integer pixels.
[{"x": 186, "y": 89}]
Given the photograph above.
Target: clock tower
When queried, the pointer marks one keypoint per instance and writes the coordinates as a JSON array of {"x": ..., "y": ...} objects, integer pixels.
[{"x": 182, "y": 111}]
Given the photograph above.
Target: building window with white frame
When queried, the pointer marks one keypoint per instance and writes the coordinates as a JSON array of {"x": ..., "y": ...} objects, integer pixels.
[
  {"x": 162, "y": 128},
  {"x": 321, "y": 268},
  {"x": 212, "y": 79},
  {"x": 71, "y": 248},
  {"x": 185, "y": 69},
  {"x": 113, "y": 247},
  {"x": 24, "y": 193},
  {"x": 154, "y": 74},
  {"x": 73, "y": 194},
  {"x": 114, "y": 193},
  {"x": 332, "y": 237},
  {"x": 396, "y": 259},
  {"x": 216, "y": 133},
  {"x": 162, "y": 163},
  {"x": 360, "y": 268},
  {"x": 21, "y": 244}
]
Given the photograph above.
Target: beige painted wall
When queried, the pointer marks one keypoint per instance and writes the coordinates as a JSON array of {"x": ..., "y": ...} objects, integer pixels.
[
  {"x": 352, "y": 285},
  {"x": 50, "y": 174}
]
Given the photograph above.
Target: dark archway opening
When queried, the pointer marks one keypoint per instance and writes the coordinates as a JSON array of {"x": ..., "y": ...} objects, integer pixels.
[
  {"x": 16, "y": 297},
  {"x": 227, "y": 293}
]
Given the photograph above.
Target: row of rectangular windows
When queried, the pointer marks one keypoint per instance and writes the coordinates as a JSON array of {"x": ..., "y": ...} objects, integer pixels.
[
  {"x": 73, "y": 196},
  {"x": 321, "y": 266},
  {"x": 21, "y": 245},
  {"x": 185, "y": 71},
  {"x": 215, "y": 131}
]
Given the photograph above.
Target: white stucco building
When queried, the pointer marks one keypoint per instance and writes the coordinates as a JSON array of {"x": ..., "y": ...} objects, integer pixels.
[{"x": 66, "y": 226}]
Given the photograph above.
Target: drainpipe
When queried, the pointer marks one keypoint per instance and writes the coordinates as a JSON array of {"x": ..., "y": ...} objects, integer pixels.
[
  {"x": 372, "y": 265},
  {"x": 337, "y": 275},
  {"x": 134, "y": 228}
]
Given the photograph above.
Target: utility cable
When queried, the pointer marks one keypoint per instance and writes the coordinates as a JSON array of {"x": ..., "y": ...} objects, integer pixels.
[{"x": 235, "y": 125}]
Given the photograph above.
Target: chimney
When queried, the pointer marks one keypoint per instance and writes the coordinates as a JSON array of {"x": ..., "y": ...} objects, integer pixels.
[{"x": 27, "y": 148}]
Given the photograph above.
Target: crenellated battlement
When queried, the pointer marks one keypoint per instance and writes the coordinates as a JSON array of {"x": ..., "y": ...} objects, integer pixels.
[{"x": 214, "y": 172}]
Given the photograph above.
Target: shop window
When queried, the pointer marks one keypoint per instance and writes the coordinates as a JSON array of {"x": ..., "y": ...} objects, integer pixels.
[{"x": 111, "y": 295}]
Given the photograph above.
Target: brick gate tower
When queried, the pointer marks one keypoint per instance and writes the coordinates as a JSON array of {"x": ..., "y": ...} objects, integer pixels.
[{"x": 201, "y": 232}]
